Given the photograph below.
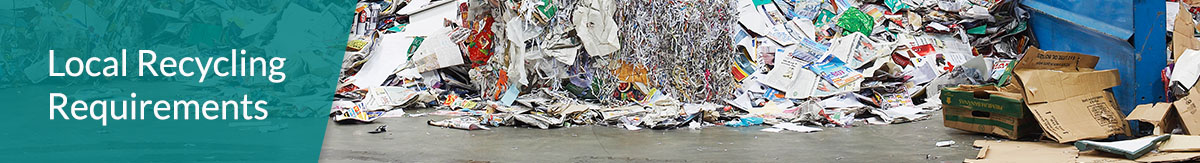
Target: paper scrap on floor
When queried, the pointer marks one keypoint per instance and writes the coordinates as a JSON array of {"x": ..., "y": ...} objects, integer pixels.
[{"x": 791, "y": 127}]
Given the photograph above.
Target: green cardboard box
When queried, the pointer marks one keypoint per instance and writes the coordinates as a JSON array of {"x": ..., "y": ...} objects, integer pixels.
[{"x": 985, "y": 109}]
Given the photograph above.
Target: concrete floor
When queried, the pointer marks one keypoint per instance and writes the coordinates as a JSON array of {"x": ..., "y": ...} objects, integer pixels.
[{"x": 409, "y": 139}]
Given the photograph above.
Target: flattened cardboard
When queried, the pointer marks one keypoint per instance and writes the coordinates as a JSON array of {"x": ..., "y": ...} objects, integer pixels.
[
  {"x": 1089, "y": 116},
  {"x": 1181, "y": 143},
  {"x": 1044, "y": 85},
  {"x": 1095, "y": 156},
  {"x": 1052, "y": 75},
  {"x": 1161, "y": 115},
  {"x": 1015, "y": 151},
  {"x": 1189, "y": 112},
  {"x": 1169, "y": 157},
  {"x": 1067, "y": 96},
  {"x": 1038, "y": 59},
  {"x": 1181, "y": 39}
]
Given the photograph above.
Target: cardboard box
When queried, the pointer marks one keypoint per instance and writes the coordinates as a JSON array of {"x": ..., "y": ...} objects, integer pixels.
[
  {"x": 1181, "y": 41},
  {"x": 985, "y": 109},
  {"x": 1091, "y": 116},
  {"x": 1068, "y": 96},
  {"x": 1161, "y": 115},
  {"x": 1189, "y": 112}
]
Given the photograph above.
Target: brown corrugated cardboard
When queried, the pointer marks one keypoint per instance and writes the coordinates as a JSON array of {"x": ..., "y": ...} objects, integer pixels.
[
  {"x": 1051, "y": 75},
  {"x": 1068, "y": 96},
  {"x": 1046, "y": 86},
  {"x": 1014, "y": 151},
  {"x": 1096, "y": 156},
  {"x": 1161, "y": 115},
  {"x": 1055, "y": 60},
  {"x": 1183, "y": 40},
  {"x": 1169, "y": 157},
  {"x": 1089, "y": 116},
  {"x": 1181, "y": 143},
  {"x": 1189, "y": 112},
  {"x": 1017, "y": 151}
]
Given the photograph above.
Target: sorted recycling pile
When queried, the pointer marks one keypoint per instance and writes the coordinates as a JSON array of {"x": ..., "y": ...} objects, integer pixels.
[
  {"x": 669, "y": 64},
  {"x": 1167, "y": 131}
]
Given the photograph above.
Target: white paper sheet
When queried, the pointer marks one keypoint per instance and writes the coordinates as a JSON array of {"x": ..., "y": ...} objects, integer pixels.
[
  {"x": 826, "y": 89},
  {"x": 385, "y": 98},
  {"x": 741, "y": 101},
  {"x": 515, "y": 30},
  {"x": 789, "y": 76},
  {"x": 772, "y": 129},
  {"x": 980, "y": 66},
  {"x": 384, "y": 60},
  {"x": 955, "y": 51},
  {"x": 1187, "y": 68},
  {"x": 842, "y": 101},
  {"x": 856, "y": 50},
  {"x": 753, "y": 84},
  {"x": 807, "y": 27},
  {"x": 597, "y": 30},
  {"x": 901, "y": 114},
  {"x": 754, "y": 20},
  {"x": 437, "y": 51},
  {"x": 564, "y": 55},
  {"x": 795, "y": 127},
  {"x": 394, "y": 113},
  {"x": 1172, "y": 10},
  {"x": 427, "y": 17},
  {"x": 921, "y": 72}
]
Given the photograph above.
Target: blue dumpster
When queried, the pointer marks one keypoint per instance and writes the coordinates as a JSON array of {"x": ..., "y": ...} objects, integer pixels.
[{"x": 1128, "y": 35}]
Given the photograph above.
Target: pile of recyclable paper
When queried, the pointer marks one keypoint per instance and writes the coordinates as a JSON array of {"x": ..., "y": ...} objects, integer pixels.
[{"x": 669, "y": 64}]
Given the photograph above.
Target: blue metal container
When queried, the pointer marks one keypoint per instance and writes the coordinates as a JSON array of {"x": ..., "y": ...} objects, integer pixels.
[{"x": 1127, "y": 35}]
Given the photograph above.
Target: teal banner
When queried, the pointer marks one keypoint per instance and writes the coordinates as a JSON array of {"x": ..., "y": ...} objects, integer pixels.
[{"x": 168, "y": 81}]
